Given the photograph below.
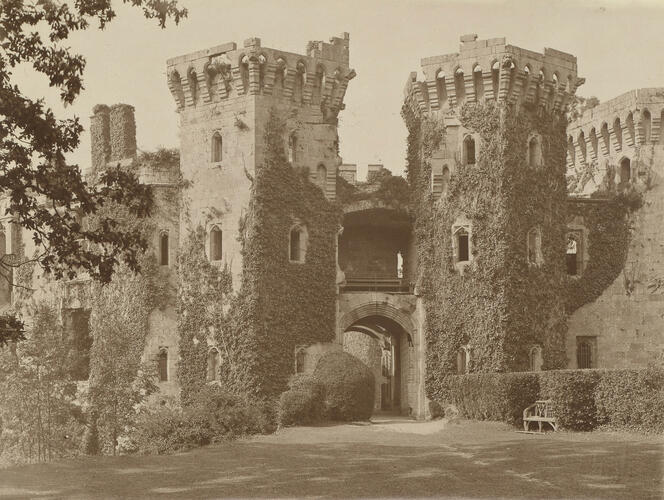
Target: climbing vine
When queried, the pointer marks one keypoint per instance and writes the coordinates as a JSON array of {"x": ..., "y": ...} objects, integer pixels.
[
  {"x": 202, "y": 301},
  {"x": 280, "y": 304},
  {"x": 500, "y": 305}
]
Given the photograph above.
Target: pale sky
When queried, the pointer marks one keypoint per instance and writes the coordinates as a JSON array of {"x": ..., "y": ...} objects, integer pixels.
[{"x": 619, "y": 46}]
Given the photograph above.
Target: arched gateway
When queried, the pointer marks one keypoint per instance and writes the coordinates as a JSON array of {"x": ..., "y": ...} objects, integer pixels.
[{"x": 384, "y": 335}]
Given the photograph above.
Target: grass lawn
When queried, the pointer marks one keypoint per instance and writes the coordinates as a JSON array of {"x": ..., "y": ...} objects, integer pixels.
[{"x": 388, "y": 458}]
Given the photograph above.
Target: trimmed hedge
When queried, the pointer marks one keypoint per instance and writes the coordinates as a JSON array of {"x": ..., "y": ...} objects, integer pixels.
[
  {"x": 302, "y": 403},
  {"x": 584, "y": 399},
  {"x": 492, "y": 396},
  {"x": 573, "y": 392},
  {"x": 348, "y": 385},
  {"x": 631, "y": 399}
]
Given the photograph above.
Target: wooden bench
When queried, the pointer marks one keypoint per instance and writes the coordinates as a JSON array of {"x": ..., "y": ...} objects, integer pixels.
[{"x": 541, "y": 411}]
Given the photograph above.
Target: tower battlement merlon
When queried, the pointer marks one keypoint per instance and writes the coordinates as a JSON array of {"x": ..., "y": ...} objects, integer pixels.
[
  {"x": 224, "y": 72},
  {"x": 492, "y": 70},
  {"x": 614, "y": 129}
]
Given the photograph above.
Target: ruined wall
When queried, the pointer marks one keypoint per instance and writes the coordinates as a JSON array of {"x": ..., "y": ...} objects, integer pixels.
[{"x": 625, "y": 324}]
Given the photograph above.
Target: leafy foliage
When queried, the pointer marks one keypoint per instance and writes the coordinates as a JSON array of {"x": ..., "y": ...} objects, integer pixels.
[
  {"x": 348, "y": 386},
  {"x": 500, "y": 305},
  {"x": 203, "y": 294},
  {"x": 573, "y": 394},
  {"x": 279, "y": 304},
  {"x": 631, "y": 399},
  {"x": 212, "y": 415},
  {"x": 302, "y": 403},
  {"x": 491, "y": 396},
  {"x": 44, "y": 194},
  {"x": 39, "y": 419}
]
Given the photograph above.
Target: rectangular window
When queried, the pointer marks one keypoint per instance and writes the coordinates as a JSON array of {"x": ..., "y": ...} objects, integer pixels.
[{"x": 463, "y": 248}]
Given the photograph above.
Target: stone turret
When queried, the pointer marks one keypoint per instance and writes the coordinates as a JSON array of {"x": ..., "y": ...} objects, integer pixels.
[
  {"x": 224, "y": 96},
  {"x": 112, "y": 135},
  {"x": 492, "y": 70}
]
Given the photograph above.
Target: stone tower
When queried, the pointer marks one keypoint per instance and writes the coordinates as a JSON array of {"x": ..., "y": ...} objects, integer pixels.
[
  {"x": 224, "y": 95},
  {"x": 487, "y": 161}
]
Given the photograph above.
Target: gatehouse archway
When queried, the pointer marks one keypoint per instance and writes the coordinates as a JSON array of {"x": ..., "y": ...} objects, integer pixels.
[{"x": 384, "y": 338}]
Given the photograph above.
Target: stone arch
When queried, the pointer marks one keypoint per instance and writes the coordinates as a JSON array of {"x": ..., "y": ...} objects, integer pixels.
[{"x": 378, "y": 309}]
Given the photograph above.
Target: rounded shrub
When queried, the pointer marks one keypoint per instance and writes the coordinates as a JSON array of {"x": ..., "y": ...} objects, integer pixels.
[
  {"x": 302, "y": 403},
  {"x": 348, "y": 386}
]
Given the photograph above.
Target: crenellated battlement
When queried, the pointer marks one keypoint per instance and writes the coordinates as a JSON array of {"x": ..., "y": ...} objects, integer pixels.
[
  {"x": 319, "y": 78},
  {"x": 612, "y": 128},
  {"x": 610, "y": 134},
  {"x": 492, "y": 70}
]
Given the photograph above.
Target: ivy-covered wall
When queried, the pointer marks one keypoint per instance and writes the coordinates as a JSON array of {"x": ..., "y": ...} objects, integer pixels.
[
  {"x": 500, "y": 306},
  {"x": 279, "y": 304}
]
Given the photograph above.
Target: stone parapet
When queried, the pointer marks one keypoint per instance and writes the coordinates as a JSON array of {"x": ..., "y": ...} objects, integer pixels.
[{"x": 492, "y": 70}]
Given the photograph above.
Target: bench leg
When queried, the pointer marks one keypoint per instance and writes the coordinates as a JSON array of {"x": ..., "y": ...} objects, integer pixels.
[
  {"x": 525, "y": 425},
  {"x": 539, "y": 423}
]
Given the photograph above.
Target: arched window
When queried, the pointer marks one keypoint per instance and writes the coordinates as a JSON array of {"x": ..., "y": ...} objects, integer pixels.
[
  {"x": 646, "y": 125},
  {"x": 215, "y": 243},
  {"x": 292, "y": 148},
  {"x": 469, "y": 150},
  {"x": 462, "y": 360},
  {"x": 572, "y": 256},
  {"x": 534, "y": 246},
  {"x": 321, "y": 175},
  {"x": 213, "y": 365},
  {"x": 535, "y": 151},
  {"x": 162, "y": 365},
  {"x": 217, "y": 149},
  {"x": 300, "y": 80},
  {"x": 535, "y": 358},
  {"x": 625, "y": 171},
  {"x": 298, "y": 244},
  {"x": 163, "y": 248},
  {"x": 570, "y": 150},
  {"x": 584, "y": 354}
]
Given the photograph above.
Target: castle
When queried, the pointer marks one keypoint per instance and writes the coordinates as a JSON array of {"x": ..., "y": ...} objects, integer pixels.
[{"x": 510, "y": 250}]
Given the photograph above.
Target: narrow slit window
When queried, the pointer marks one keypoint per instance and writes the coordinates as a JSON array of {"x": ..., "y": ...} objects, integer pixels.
[
  {"x": 462, "y": 241},
  {"x": 469, "y": 150},
  {"x": 625, "y": 171},
  {"x": 295, "y": 237},
  {"x": 215, "y": 243},
  {"x": 162, "y": 365},
  {"x": 217, "y": 148},
  {"x": 213, "y": 365},
  {"x": 163, "y": 249},
  {"x": 572, "y": 256}
]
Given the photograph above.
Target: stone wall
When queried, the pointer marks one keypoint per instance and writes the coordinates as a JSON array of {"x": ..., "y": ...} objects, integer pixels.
[
  {"x": 231, "y": 91},
  {"x": 625, "y": 325}
]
